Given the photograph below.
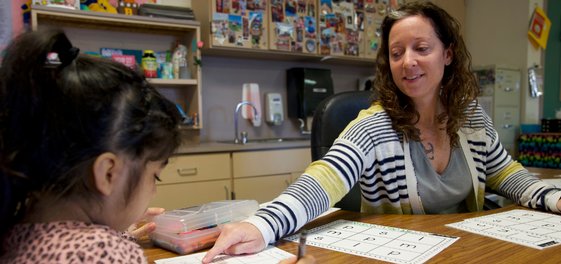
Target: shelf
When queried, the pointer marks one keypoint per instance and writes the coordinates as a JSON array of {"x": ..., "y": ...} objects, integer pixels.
[
  {"x": 286, "y": 56},
  {"x": 158, "y": 81},
  {"x": 56, "y": 16}
]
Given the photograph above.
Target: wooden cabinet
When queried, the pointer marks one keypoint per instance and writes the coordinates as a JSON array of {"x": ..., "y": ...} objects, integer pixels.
[
  {"x": 192, "y": 179},
  {"x": 237, "y": 24},
  {"x": 91, "y": 31},
  {"x": 346, "y": 32},
  {"x": 293, "y": 26},
  {"x": 195, "y": 168},
  {"x": 175, "y": 196},
  {"x": 263, "y": 189},
  {"x": 270, "y": 162},
  {"x": 264, "y": 175}
]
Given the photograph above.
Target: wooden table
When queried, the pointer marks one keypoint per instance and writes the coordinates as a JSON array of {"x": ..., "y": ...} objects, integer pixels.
[
  {"x": 545, "y": 173},
  {"x": 470, "y": 248}
]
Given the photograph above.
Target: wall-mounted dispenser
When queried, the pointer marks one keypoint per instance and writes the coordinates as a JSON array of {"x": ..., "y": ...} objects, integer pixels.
[
  {"x": 306, "y": 88},
  {"x": 273, "y": 109}
]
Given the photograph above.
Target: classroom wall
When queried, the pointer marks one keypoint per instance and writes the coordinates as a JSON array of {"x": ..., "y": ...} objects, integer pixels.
[
  {"x": 496, "y": 32},
  {"x": 552, "y": 82},
  {"x": 222, "y": 90}
]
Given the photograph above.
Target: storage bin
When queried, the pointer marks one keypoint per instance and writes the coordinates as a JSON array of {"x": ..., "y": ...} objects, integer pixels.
[
  {"x": 530, "y": 128},
  {"x": 197, "y": 227},
  {"x": 551, "y": 125}
]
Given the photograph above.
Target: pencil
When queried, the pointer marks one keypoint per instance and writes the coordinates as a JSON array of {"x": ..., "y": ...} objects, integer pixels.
[{"x": 302, "y": 246}]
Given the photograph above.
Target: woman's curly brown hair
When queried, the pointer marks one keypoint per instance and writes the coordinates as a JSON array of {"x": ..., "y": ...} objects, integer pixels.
[{"x": 459, "y": 85}]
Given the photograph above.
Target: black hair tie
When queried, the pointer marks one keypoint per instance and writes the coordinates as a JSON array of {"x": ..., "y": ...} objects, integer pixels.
[{"x": 68, "y": 56}]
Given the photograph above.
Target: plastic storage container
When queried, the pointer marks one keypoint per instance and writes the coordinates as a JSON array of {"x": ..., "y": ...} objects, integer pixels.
[{"x": 197, "y": 227}]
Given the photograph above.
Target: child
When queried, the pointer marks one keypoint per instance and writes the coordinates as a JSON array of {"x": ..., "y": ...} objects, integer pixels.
[{"x": 82, "y": 141}]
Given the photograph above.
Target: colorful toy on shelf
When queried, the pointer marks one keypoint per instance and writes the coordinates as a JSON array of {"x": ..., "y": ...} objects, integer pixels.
[
  {"x": 99, "y": 6},
  {"x": 127, "y": 7},
  {"x": 26, "y": 15}
]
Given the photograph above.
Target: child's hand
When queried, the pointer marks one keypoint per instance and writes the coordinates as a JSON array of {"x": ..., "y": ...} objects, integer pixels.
[
  {"x": 148, "y": 227},
  {"x": 307, "y": 259}
]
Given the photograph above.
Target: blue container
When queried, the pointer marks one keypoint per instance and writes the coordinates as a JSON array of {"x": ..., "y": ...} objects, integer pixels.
[{"x": 530, "y": 128}]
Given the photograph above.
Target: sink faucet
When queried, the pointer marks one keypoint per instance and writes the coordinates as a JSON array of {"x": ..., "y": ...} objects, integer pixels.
[{"x": 236, "y": 140}]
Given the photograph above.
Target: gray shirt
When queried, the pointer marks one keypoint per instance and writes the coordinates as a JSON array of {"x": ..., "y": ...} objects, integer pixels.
[{"x": 446, "y": 193}]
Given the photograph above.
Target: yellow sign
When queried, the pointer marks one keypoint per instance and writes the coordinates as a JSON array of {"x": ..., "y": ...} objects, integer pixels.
[{"x": 539, "y": 29}]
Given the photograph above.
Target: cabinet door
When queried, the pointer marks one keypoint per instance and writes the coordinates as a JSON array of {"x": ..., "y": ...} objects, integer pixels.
[
  {"x": 263, "y": 189},
  {"x": 200, "y": 167},
  {"x": 507, "y": 88},
  {"x": 270, "y": 162},
  {"x": 507, "y": 122},
  {"x": 181, "y": 195}
]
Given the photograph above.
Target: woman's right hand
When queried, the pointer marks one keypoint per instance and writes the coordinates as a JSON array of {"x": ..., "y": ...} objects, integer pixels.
[{"x": 238, "y": 238}]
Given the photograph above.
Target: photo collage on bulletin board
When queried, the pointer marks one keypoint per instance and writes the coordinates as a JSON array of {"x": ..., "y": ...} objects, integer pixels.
[
  {"x": 239, "y": 23},
  {"x": 293, "y": 26},
  {"x": 373, "y": 13},
  {"x": 352, "y": 27}
]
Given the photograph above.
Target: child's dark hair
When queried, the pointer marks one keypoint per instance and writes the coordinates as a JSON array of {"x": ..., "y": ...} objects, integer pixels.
[{"x": 55, "y": 120}]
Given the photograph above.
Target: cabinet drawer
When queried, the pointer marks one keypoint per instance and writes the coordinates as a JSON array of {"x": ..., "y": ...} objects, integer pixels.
[
  {"x": 259, "y": 163},
  {"x": 181, "y": 195},
  {"x": 263, "y": 189},
  {"x": 507, "y": 122},
  {"x": 507, "y": 91},
  {"x": 192, "y": 168}
]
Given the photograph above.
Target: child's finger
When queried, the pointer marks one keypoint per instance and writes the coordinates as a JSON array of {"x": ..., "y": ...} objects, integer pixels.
[
  {"x": 152, "y": 211},
  {"x": 144, "y": 230}
]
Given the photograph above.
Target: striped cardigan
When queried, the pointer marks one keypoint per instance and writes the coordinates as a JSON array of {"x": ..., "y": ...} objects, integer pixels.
[{"x": 371, "y": 153}]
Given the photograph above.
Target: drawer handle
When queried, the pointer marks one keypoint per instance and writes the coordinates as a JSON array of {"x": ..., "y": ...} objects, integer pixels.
[
  {"x": 187, "y": 171},
  {"x": 508, "y": 89},
  {"x": 507, "y": 126},
  {"x": 226, "y": 187}
]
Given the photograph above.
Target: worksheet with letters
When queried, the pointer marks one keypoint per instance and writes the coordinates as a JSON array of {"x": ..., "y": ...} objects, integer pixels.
[
  {"x": 529, "y": 228},
  {"x": 377, "y": 242}
]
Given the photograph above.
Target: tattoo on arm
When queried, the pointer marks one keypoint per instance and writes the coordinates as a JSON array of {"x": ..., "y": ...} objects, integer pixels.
[{"x": 429, "y": 152}]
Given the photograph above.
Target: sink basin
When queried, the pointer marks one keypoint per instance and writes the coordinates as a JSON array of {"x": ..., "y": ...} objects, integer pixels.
[{"x": 266, "y": 140}]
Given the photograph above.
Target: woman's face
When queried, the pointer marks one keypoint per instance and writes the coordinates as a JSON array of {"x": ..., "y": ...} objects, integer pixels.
[{"x": 417, "y": 58}]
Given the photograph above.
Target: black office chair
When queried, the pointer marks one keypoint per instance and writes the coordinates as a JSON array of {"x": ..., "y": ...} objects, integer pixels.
[
  {"x": 330, "y": 119},
  {"x": 332, "y": 115}
]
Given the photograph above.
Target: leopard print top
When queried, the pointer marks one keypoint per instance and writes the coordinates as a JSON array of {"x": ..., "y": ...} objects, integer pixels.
[{"x": 70, "y": 242}]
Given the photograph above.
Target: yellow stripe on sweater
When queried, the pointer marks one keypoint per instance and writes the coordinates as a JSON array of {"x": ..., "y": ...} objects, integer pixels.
[
  {"x": 496, "y": 180},
  {"x": 326, "y": 176},
  {"x": 362, "y": 114}
]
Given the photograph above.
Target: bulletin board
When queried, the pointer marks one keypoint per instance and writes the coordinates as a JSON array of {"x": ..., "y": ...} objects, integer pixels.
[
  {"x": 239, "y": 23},
  {"x": 374, "y": 13},
  {"x": 341, "y": 27},
  {"x": 293, "y": 25}
]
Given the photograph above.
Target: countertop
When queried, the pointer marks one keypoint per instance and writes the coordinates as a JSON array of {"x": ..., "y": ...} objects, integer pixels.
[{"x": 213, "y": 147}]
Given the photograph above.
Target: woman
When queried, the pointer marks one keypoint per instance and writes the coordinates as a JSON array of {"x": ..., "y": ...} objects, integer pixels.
[{"x": 425, "y": 139}]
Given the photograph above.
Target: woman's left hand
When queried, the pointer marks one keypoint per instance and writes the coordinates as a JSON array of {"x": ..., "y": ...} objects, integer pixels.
[{"x": 148, "y": 227}]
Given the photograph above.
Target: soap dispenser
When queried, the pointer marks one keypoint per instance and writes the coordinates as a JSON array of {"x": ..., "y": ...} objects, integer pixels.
[{"x": 273, "y": 109}]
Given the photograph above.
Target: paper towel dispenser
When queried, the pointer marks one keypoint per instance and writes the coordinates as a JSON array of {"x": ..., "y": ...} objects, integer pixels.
[{"x": 306, "y": 88}]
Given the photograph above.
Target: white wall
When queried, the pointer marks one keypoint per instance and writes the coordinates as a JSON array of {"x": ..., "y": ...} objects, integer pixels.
[
  {"x": 496, "y": 32},
  {"x": 222, "y": 91}
]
